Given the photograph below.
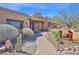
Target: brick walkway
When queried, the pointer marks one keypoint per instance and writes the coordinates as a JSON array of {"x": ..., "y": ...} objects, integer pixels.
[{"x": 44, "y": 47}]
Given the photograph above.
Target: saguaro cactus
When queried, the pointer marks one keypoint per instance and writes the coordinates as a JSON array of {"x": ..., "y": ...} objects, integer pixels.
[
  {"x": 19, "y": 43},
  {"x": 28, "y": 32}
]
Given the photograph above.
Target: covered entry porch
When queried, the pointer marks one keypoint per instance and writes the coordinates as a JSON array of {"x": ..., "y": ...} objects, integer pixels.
[{"x": 37, "y": 25}]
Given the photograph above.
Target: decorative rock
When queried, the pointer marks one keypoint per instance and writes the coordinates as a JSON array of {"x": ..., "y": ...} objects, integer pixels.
[{"x": 69, "y": 51}]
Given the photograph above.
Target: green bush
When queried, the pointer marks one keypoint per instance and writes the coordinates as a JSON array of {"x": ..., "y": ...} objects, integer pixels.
[
  {"x": 27, "y": 32},
  {"x": 56, "y": 34},
  {"x": 8, "y": 31}
]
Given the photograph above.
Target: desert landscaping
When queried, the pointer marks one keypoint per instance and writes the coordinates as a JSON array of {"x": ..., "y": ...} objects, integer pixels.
[{"x": 34, "y": 33}]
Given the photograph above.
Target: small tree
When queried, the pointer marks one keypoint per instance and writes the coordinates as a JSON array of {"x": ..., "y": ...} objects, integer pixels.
[
  {"x": 69, "y": 14},
  {"x": 57, "y": 21}
]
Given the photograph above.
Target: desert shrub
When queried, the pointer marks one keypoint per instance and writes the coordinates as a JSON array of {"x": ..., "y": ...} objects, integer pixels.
[
  {"x": 56, "y": 34},
  {"x": 27, "y": 31},
  {"x": 8, "y": 31}
]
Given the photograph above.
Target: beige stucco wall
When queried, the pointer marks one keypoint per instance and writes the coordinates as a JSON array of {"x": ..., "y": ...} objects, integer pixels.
[
  {"x": 7, "y": 14},
  {"x": 46, "y": 24}
]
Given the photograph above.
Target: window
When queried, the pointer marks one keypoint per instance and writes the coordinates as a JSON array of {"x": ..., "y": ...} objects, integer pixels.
[{"x": 17, "y": 24}]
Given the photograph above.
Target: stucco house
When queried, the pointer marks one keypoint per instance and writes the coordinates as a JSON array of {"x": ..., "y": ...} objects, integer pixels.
[
  {"x": 21, "y": 20},
  {"x": 38, "y": 22}
]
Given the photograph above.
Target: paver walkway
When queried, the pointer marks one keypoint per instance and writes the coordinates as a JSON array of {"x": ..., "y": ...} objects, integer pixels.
[{"x": 44, "y": 47}]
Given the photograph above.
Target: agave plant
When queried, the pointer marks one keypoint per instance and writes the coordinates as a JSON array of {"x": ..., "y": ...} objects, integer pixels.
[{"x": 8, "y": 31}]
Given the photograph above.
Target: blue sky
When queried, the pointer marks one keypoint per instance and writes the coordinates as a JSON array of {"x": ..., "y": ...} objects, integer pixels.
[{"x": 46, "y": 9}]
